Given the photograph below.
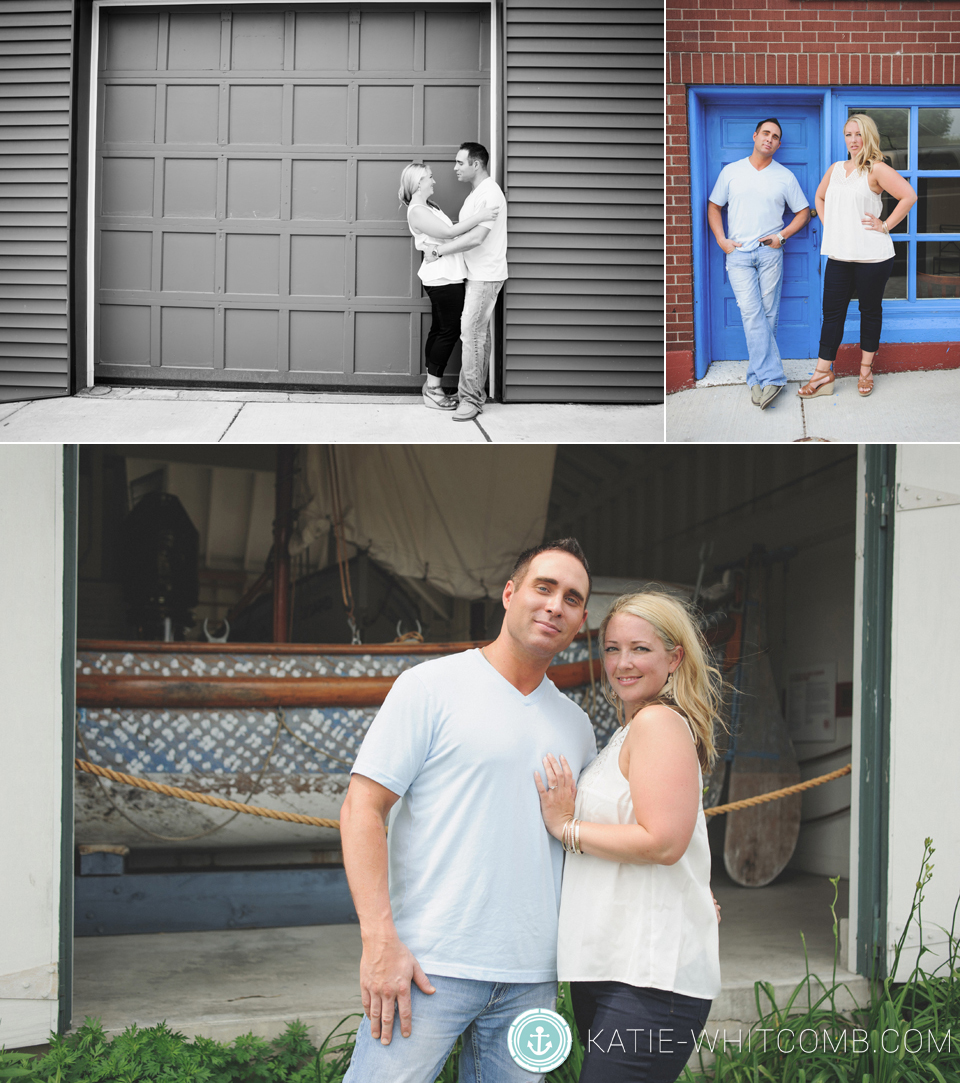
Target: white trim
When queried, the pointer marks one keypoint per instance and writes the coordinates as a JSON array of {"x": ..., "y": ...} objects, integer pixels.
[
  {"x": 92, "y": 136},
  {"x": 92, "y": 187},
  {"x": 494, "y": 87}
]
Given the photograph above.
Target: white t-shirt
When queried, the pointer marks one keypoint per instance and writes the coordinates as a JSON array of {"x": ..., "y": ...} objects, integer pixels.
[
  {"x": 755, "y": 199},
  {"x": 474, "y": 875},
  {"x": 488, "y": 261}
]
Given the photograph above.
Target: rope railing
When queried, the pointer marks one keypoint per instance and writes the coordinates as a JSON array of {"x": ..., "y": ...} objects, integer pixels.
[
  {"x": 316, "y": 821},
  {"x": 203, "y": 798},
  {"x": 775, "y": 795}
]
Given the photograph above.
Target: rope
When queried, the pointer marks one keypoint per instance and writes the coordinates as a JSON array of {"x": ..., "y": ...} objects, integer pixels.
[
  {"x": 314, "y": 821},
  {"x": 339, "y": 534},
  {"x": 775, "y": 795},
  {"x": 203, "y": 798},
  {"x": 593, "y": 683},
  {"x": 210, "y": 830}
]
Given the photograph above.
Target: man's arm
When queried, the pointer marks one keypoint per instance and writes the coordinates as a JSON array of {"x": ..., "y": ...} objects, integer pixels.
[
  {"x": 800, "y": 219},
  {"x": 716, "y": 224},
  {"x": 473, "y": 239},
  {"x": 387, "y": 966}
]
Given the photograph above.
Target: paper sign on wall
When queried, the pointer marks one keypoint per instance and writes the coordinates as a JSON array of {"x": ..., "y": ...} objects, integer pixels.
[{"x": 812, "y": 703}]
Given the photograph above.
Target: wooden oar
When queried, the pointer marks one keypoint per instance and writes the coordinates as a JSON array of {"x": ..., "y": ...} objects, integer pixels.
[{"x": 760, "y": 841}]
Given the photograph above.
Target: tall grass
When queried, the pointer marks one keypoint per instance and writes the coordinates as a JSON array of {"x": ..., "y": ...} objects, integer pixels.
[{"x": 908, "y": 1033}]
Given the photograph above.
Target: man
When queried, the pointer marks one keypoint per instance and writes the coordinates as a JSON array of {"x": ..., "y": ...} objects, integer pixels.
[
  {"x": 470, "y": 913},
  {"x": 755, "y": 191},
  {"x": 484, "y": 251}
]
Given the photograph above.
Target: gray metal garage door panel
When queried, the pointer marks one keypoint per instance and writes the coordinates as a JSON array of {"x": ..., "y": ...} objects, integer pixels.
[{"x": 248, "y": 226}]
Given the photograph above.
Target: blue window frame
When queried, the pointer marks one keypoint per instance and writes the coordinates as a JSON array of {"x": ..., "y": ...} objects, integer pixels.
[{"x": 922, "y": 301}]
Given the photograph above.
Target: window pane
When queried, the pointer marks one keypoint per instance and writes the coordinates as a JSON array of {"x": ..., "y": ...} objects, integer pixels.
[
  {"x": 894, "y": 128},
  {"x": 939, "y": 139},
  {"x": 897, "y": 286},
  {"x": 889, "y": 202},
  {"x": 938, "y": 269},
  {"x": 938, "y": 205},
  {"x": 897, "y": 283}
]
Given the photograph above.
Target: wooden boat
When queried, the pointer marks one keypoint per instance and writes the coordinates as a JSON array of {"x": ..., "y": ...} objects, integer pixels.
[{"x": 276, "y": 724}]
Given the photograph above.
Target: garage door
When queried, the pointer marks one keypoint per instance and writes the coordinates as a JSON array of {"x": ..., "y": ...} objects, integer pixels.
[{"x": 248, "y": 226}]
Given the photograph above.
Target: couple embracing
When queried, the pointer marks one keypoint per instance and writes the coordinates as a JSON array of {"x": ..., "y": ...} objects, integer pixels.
[
  {"x": 756, "y": 190},
  {"x": 494, "y": 792},
  {"x": 463, "y": 270}
]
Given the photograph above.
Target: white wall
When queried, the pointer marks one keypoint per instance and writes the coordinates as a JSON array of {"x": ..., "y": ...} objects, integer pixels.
[
  {"x": 925, "y": 707},
  {"x": 31, "y": 586}
]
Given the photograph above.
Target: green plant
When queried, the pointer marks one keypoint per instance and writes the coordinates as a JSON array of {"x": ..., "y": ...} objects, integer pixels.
[
  {"x": 166, "y": 1056},
  {"x": 15, "y": 1065},
  {"x": 877, "y": 1043}
]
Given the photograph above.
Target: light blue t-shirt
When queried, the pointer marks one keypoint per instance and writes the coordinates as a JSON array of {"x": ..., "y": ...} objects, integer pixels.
[
  {"x": 474, "y": 874},
  {"x": 755, "y": 200}
]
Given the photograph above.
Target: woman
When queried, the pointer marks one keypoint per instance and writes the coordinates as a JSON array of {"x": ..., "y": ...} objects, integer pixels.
[
  {"x": 859, "y": 248},
  {"x": 442, "y": 279},
  {"x": 638, "y": 929}
]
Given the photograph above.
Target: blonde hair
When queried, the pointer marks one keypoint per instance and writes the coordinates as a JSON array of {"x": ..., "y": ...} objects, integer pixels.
[
  {"x": 870, "y": 152},
  {"x": 410, "y": 180},
  {"x": 695, "y": 685}
]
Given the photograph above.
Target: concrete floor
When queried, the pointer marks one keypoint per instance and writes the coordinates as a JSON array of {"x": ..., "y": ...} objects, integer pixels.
[
  {"x": 221, "y": 984},
  {"x": 905, "y": 406},
  {"x": 160, "y": 415}
]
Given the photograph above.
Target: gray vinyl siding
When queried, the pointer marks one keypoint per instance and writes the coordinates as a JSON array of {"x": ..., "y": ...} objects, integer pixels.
[
  {"x": 583, "y": 309},
  {"x": 36, "y": 42}
]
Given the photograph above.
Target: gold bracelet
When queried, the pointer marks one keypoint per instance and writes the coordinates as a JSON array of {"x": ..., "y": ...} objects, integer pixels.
[
  {"x": 566, "y": 836},
  {"x": 576, "y": 836}
]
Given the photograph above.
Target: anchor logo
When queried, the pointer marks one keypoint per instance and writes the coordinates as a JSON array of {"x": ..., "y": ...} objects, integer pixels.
[
  {"x": 539, "y": 1040},
  {"x": 541, "y": 1048}
]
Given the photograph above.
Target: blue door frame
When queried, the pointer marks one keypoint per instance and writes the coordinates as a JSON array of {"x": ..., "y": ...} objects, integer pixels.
[{"x": 767, "y": 98}]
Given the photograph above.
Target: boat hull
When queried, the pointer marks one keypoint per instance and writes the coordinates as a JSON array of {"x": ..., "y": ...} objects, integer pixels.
[{"x": 184, "y": 715}]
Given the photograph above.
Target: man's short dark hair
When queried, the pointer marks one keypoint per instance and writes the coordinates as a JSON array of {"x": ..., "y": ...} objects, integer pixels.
[
  {"x": 564, "y": 545},
  {"x": 476, "y": 152},
  {"x": 769, "y": 120}
]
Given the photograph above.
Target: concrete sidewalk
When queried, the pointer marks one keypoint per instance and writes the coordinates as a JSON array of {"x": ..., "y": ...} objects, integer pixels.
[
  {"x": 168, "y": 415},
  {"x": 906, "y": 406},
  {"x": 221, "y": 984}
]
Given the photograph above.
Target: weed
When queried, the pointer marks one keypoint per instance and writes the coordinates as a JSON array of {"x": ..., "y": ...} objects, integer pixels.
[{"x": 906, "y": 1034}]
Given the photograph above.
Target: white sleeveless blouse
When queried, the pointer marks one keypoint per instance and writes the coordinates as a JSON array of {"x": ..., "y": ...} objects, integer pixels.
[
  {"x": 847, "y": 200},
  {"x": 445, "y": 271},
  {"x": 650, "y": 926}
]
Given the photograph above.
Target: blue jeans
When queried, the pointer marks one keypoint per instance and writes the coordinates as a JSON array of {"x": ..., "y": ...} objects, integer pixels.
[
  {"x": 756, "y": 278},
  {"x": 477, "y": 338},
  {"x": 481, "y": 1011}
]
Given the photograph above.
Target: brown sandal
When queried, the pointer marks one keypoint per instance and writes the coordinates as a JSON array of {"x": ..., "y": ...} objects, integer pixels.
[
  {"x": 865, "y": 383},
  {"x": 820, "y": 383}
]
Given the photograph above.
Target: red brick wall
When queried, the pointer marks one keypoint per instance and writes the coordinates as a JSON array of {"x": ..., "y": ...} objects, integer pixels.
[{"x": 784, "y": 43}]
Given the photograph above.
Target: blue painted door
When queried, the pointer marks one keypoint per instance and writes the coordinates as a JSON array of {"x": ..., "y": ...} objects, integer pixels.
[{"x": 729, "y": 136}]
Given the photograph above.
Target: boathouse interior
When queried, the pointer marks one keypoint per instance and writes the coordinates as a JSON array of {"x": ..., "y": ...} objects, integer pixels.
[{"x": 692, "y": 518}]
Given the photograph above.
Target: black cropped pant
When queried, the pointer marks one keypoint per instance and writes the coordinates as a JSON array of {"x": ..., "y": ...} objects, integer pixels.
[
  {"x": 447, "y": 304},
  {"x": 633, "y": 1035},
  {"x": 839, "y": 280}
]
